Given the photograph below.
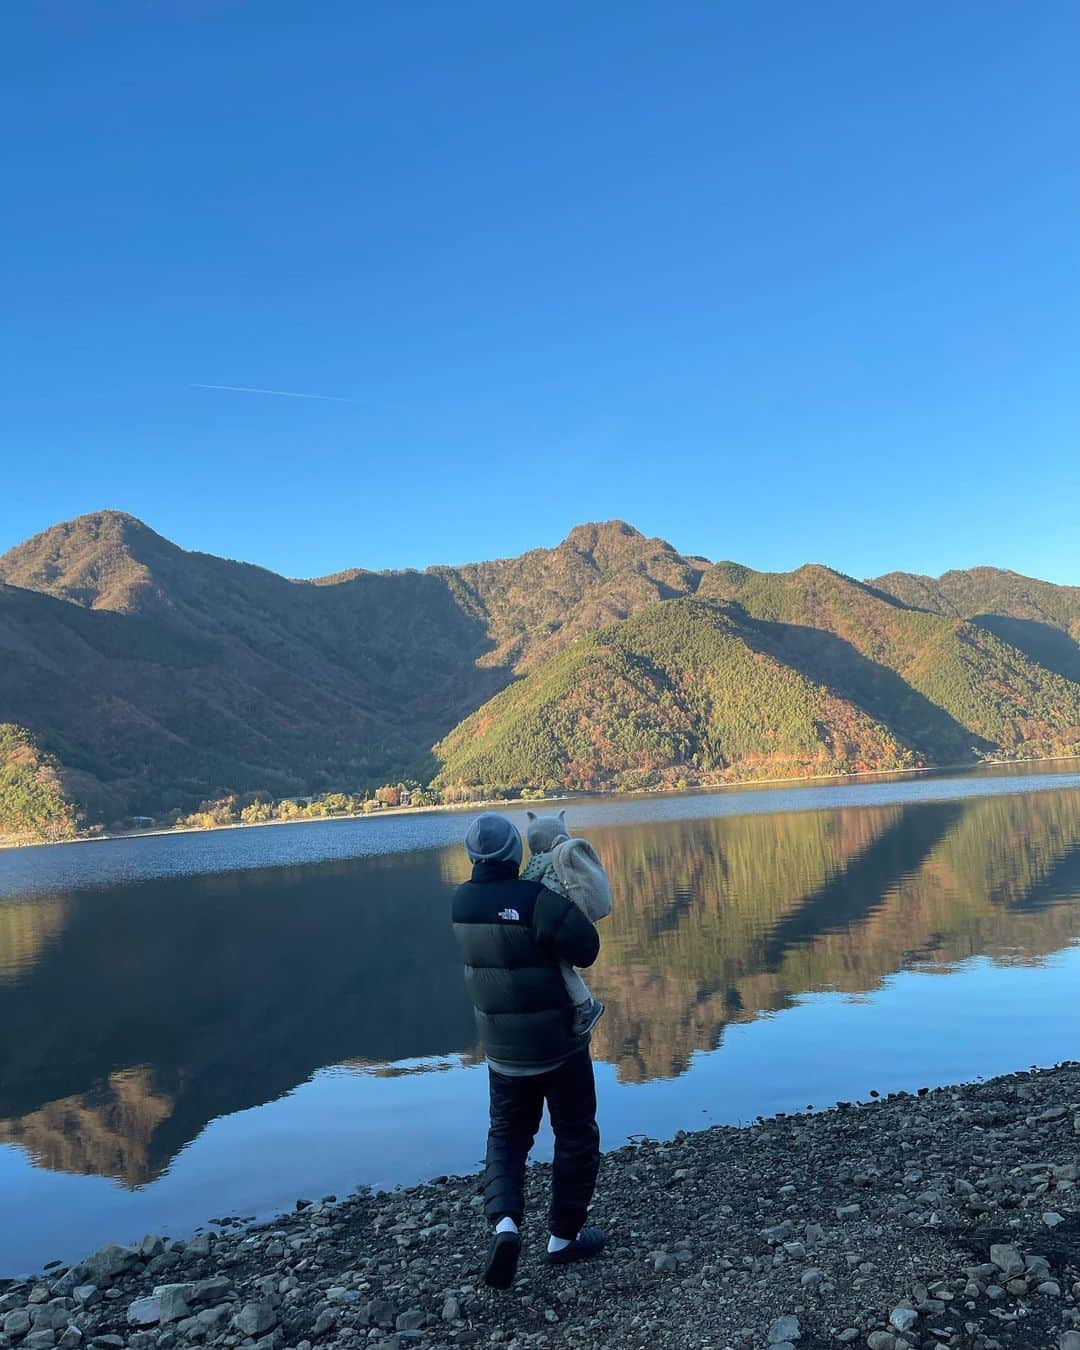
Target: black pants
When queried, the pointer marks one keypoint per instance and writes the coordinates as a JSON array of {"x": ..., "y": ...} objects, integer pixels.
[{"x": 516, "y": 1107}]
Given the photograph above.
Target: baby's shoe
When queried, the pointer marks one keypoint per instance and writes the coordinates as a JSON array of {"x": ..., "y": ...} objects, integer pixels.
[{"x": 586, "y": 1016}]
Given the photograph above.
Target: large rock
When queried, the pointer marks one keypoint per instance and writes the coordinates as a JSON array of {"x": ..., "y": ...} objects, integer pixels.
[
  {"x": 382, "y": 1313},
  {"x": 145, "y": 1312},
  {"x": 166, "y": 1261},
  {"x": 172, "y": 1302},
  {"x": 214, "y": 1290},
  {"x": 16, "y": 1323},
  {"x": 255, "y": 1319},
  {"x": 903, "y": 1319},
  {"x": 1007, "y": 1259},
  {"x": 108, "y": 1262},
  {"x": 326, "y": 1321},
  {"x": 1037, "y": 1267},
  {"x": 784, "y": 1329},
  {"x": 213, "y": 1320},
  {"x": 50, "y": 1316}
]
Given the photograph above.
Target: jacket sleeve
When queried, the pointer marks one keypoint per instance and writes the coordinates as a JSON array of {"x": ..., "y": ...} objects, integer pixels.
[{"x": 559, "y": 925}]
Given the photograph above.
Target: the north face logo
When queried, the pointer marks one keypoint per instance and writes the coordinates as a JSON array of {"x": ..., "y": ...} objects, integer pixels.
[{"x": 510, "y": 914}]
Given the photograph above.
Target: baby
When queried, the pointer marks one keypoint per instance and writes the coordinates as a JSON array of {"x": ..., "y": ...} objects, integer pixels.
[{"x": 572, "y": 868}]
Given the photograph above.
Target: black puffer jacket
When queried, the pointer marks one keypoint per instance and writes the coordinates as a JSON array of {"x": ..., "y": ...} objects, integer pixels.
[{"x": 512, "y": 935}]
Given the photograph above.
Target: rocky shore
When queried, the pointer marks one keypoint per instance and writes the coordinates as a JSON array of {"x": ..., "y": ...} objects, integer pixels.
[{"x": 946, "y": 1218}]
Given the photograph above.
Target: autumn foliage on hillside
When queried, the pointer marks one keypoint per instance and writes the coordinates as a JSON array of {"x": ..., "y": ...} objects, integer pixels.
[
  {"x": 33, "y": 803},
  {"x": 164, "y": 680}
]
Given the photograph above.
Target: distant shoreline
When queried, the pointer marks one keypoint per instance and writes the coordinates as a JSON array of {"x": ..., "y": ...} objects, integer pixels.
[{"x": 523, "y": 803}]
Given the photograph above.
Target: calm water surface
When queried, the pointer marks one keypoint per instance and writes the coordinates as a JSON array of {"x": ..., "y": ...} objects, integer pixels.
[{"x": 213, "y": 1024}]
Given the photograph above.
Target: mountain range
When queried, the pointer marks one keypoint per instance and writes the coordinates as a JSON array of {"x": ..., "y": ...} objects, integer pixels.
[{"x": 137, "y": 677}]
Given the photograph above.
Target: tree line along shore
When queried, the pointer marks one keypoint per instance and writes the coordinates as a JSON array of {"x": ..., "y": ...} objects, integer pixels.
[{"x": 49, "y": 820}]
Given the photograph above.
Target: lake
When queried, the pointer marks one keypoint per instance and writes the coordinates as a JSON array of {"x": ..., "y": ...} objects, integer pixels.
[{"x": 202, "y": 1025}]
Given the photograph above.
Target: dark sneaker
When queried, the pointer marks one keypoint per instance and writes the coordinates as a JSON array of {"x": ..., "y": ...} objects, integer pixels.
[
  {"x": 589, "y": 1242},
  {"x": 502, "y": 1260},
  {"x": 586, "y": 1016}
]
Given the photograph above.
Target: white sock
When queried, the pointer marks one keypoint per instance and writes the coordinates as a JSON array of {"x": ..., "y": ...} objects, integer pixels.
[
  {"x": 506, "y": 1225},
  {"x": 557, "y": 1244}
]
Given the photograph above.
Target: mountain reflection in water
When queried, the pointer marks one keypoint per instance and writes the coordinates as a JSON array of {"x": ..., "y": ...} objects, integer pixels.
[{"x": 132, "y": 1015}]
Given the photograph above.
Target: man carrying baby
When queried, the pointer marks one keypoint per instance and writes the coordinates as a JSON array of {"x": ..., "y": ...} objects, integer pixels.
[{"x": 514, "y": 937}]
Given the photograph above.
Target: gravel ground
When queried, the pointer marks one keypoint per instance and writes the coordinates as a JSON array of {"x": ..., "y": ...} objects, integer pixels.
[{"x": 947, "y": 1218}]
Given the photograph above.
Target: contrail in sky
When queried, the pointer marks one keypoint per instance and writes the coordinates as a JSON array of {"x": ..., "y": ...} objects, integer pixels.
[{"x": 277, "y": 393}]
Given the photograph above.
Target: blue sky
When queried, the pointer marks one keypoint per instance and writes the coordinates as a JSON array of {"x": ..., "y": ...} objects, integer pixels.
[{"x": 778, "y": 282}]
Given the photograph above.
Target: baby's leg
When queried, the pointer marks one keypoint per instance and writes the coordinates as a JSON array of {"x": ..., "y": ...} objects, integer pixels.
[
  {"x": 587, "y": 1010},
  {"x": 575, "y": 985}
]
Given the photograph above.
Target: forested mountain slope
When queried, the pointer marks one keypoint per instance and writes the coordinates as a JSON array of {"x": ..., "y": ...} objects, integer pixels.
[
  {"x": 685, "y": 687},
  {"x": 943, "y": 682},
  {"x": 156, "y": 677},
  {"x": 1042, "y": 619}
]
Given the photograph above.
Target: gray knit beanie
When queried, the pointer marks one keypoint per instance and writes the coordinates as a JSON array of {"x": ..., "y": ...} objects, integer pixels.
[{"x": 492, "y": 838}]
